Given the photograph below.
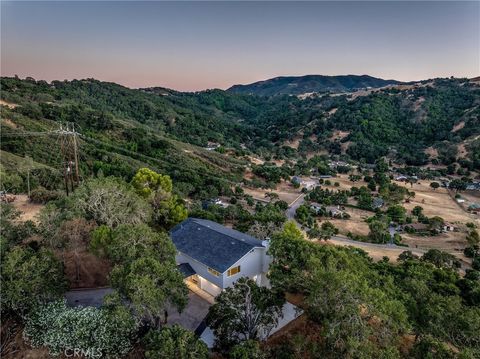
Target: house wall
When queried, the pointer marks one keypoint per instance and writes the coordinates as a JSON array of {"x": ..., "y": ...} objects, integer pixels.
[
  {"x": 209, "y": 286},
  {"x": 251, "y": 265},
  {"x": 201, "y": 269}
]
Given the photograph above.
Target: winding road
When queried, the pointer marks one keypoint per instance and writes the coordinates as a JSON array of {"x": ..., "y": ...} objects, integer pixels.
[{"x": 341, "y": 240}]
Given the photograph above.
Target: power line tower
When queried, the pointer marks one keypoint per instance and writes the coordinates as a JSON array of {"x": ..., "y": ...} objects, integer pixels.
[
  {"x": 69, "y": 155},
  {"x": 28, "y": 166}
]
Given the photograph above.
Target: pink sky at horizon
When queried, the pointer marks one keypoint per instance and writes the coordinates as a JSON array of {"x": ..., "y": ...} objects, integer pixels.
[{"x": 194, "y": 46}]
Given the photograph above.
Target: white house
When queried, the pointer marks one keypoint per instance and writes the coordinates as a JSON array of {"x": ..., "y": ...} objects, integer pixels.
[
  {"x": 317, "y": 207},
  {"x": 448, "y": 227},
  {"x": 213, "y": 256},
  {"x": 334, "y": 211}
]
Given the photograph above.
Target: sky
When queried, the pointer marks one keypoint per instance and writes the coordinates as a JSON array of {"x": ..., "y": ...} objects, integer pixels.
[{"x": 191, "y": 46}]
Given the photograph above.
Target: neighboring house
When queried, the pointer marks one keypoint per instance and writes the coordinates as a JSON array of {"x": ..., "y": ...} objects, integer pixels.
[
  {"x": 297, "y": 180},
  {"x": 308, "y": 183},
  {"x": 475, "y": 186},
  {"x": 213, "y": 256},
  {"x": 448, "y": 227},
  {"x": 474, "y": 208},
  {"x": 213, "y": 201},
  {"x": 404, "y": 178},
  {"x": 212, "y": 146},
  {"x": 369, "y": 166},
  {"x": 416, "y": 227},
  {"x": 378, "y": 202},
  {"x": 334, "y": 211},
  {"x": 317, "y": 207},
  {"x": 445, "y": 183},
  {"x": 335, "y": 164}
]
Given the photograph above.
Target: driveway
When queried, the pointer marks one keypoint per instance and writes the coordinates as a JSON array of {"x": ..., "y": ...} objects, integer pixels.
[
  {"x": 190, "y": 318},
  {"x": 193, "y": 314},
  {"x": 87, "y": 297}
]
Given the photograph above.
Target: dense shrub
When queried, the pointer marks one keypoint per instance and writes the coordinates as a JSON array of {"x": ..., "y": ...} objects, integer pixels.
[
  {"x": 174, "y": 342},
  {"x": 42, "y": 195},
  {"x": 91, "y": 330}
]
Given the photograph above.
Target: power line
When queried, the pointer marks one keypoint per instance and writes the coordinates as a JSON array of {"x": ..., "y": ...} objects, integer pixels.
[
  {"x": 69, "y": 151},
  {"x": 67, "y": 140},
  {"x": 69, "y": 146}
]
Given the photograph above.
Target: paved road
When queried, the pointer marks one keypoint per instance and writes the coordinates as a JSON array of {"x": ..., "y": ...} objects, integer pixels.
[
  {"x": 294, "y": 205},
  {"x": 341, "y": 240},
  {"x": 290, "y": 212}
]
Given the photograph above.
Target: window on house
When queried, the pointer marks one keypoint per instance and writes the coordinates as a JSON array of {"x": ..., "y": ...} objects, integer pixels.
[
  {"x": 233, "y": 271},
  {"x": 213, "y": 272}
]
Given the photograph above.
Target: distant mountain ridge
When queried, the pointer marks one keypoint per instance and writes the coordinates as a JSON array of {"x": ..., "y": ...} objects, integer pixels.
[{"x": 297, "y": 85}]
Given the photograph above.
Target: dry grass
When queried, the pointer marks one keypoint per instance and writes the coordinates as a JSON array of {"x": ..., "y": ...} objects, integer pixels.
[
  {"x": 299, "y": 326},
  {"x": 377, "y": 253},
  {"x": 338, "y": 135},
  {"x": 462, "y": 150},
  {"x": 8, "y": 104},
  {"x": 345, "y": 183},
  {"x": 355, "y": 224},
  {"x": 434, "y": 202},
  {"x": 255, "y": 160},
  {"x": 458, "y": 126},
  {"x": 9, "y": 123},
  {"x": 294, "y": 143},
  {"x": 285, "y": 191},
  {"x": 431, "y": 152},
  {"x": 29, "y": 210},
  {"x": 450, "y": 241},
  {"x": 437, "y": 203},
  {"x": 471, "y": 196}
]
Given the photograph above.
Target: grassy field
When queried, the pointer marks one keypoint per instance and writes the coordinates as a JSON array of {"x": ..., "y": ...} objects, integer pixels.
[
  {"x": 355, "y": 224},
  {"x": 438, "y": 203},
  {"x": 434, "y": 202},
  {"x": 286, "y": 192}
]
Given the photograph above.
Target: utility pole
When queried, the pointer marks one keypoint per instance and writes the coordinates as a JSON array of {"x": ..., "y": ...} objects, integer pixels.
[
  {"x": 69, "y": 151},
  {"x": 29, "y": 166},
  {"x": 75, "y": 154}
]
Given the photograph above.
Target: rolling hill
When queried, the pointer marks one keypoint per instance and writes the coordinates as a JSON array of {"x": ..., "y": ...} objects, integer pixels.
[
  {"x": 297, "y": 85},
  {"x": 124, "y": 129}
]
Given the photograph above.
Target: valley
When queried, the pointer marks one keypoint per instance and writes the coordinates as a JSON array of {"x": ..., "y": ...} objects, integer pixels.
[
  {"x": 370, "y": 179},
  {"x": 240, "y": 179}
]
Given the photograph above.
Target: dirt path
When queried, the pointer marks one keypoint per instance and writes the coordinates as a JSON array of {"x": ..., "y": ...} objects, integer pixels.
[{"x": 29, "y": 210}]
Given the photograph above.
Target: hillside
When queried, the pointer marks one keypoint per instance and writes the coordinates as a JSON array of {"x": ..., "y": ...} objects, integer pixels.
[
  {"x": 116, "y": 139},
  {"x": 124, "y": 129},
  {"x": 297, "y": 85},
  {"x": 112, "y": 229}
]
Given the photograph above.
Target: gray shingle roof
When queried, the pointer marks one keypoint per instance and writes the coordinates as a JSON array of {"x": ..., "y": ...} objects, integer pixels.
[
  {"x": 186, "y": 269},
  {"x": 212, "y": 244}
]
